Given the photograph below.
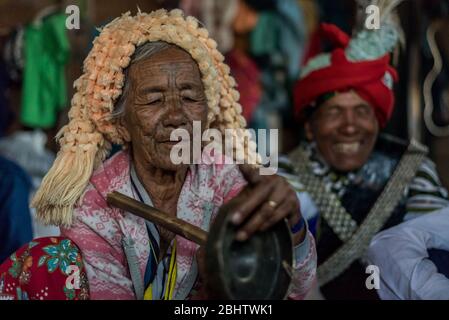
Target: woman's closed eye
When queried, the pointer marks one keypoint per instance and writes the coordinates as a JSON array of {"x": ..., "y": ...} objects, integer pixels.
[
  {"x": 150, "y": 100},
  {"x": 189, "y": 96},
  {"x": 154, "y": 101},
  {"x": 188, "y": 99}
]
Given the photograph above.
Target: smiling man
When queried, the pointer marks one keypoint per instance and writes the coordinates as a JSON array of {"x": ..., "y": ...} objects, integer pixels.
[{"x": 352, "y": 181}]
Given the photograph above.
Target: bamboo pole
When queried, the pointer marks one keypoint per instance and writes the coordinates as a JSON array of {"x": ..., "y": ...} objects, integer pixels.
[{"x": 173, "y": 224}]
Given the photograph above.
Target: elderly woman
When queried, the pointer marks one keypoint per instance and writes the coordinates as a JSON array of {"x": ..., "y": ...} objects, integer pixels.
[
  {"x": 352, "y": 181},
  {"x": 146, "y": 76}
]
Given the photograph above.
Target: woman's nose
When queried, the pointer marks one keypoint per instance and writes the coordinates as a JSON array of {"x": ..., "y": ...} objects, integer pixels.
[
  {"x": 175, "y": 120},
  {"x": 174, "y": 116}
]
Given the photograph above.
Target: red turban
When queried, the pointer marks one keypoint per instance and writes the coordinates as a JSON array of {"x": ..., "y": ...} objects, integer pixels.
[{"x": 366, "y": 77}]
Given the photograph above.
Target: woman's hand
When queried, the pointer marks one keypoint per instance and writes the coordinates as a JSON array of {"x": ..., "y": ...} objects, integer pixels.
[{"x": 265, "y": 201}]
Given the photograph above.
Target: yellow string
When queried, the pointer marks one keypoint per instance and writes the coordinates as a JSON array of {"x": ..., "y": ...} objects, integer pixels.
[
  {"x": 170, "y": 282},
  {"x": 148, "y": 293}
]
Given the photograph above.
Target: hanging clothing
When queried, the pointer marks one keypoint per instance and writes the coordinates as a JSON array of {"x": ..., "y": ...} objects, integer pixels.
[
  {"x": 356, "y": 194},
  {"x": 44, "y": 91},
  {"x": 13, "y": 54},
  {"x": 277, "y": 45},
  {"x": 281, "y": 34}
]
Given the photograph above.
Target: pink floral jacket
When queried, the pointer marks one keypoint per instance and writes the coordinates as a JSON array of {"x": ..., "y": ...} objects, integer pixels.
[{"x": 99, "y": 230}]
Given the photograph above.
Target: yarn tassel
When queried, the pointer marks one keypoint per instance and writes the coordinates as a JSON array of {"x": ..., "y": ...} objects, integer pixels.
[{"x": 64, "y": 184}]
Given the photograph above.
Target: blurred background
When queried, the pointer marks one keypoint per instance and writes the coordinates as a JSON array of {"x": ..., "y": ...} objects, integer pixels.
[{"x": 265, "y": 42}]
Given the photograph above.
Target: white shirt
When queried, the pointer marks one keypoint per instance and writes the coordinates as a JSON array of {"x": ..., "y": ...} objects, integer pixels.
[{"x": 402, "y": 258}]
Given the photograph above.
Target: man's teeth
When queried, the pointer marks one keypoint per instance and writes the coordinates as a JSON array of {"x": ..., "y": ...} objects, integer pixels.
[{"x": 347, "y": 147}]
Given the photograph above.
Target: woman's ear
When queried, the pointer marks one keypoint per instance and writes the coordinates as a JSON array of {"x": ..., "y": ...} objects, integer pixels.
[
  {"x": 122, "y": 131},
  {"x": 308, "y": 130}
]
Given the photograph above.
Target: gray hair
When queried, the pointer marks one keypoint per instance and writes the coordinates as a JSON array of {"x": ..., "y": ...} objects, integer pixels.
[{"x": 144, "y": 51}]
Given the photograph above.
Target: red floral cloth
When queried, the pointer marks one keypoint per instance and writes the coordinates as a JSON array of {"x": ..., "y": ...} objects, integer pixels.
[{"x": 44, "y": 269}]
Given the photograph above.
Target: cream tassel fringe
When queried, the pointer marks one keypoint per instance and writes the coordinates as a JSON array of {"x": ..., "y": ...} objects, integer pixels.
[{"x": 64, "y": 184}]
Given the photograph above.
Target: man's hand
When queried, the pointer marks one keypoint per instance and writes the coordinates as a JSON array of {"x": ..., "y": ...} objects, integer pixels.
[{"x": 265, "y": 201}]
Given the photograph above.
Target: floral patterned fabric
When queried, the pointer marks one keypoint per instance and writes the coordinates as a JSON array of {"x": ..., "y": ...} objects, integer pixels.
[{"x": 44, "y": 269}]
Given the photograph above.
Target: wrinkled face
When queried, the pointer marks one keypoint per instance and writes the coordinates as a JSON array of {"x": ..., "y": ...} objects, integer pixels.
[
  {"x": 166, "y": 93},
  {"x": 345, "y": 130}
]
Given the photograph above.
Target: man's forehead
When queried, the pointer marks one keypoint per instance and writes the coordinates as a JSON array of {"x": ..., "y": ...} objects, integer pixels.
[{"x": 348, "y": 99}]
